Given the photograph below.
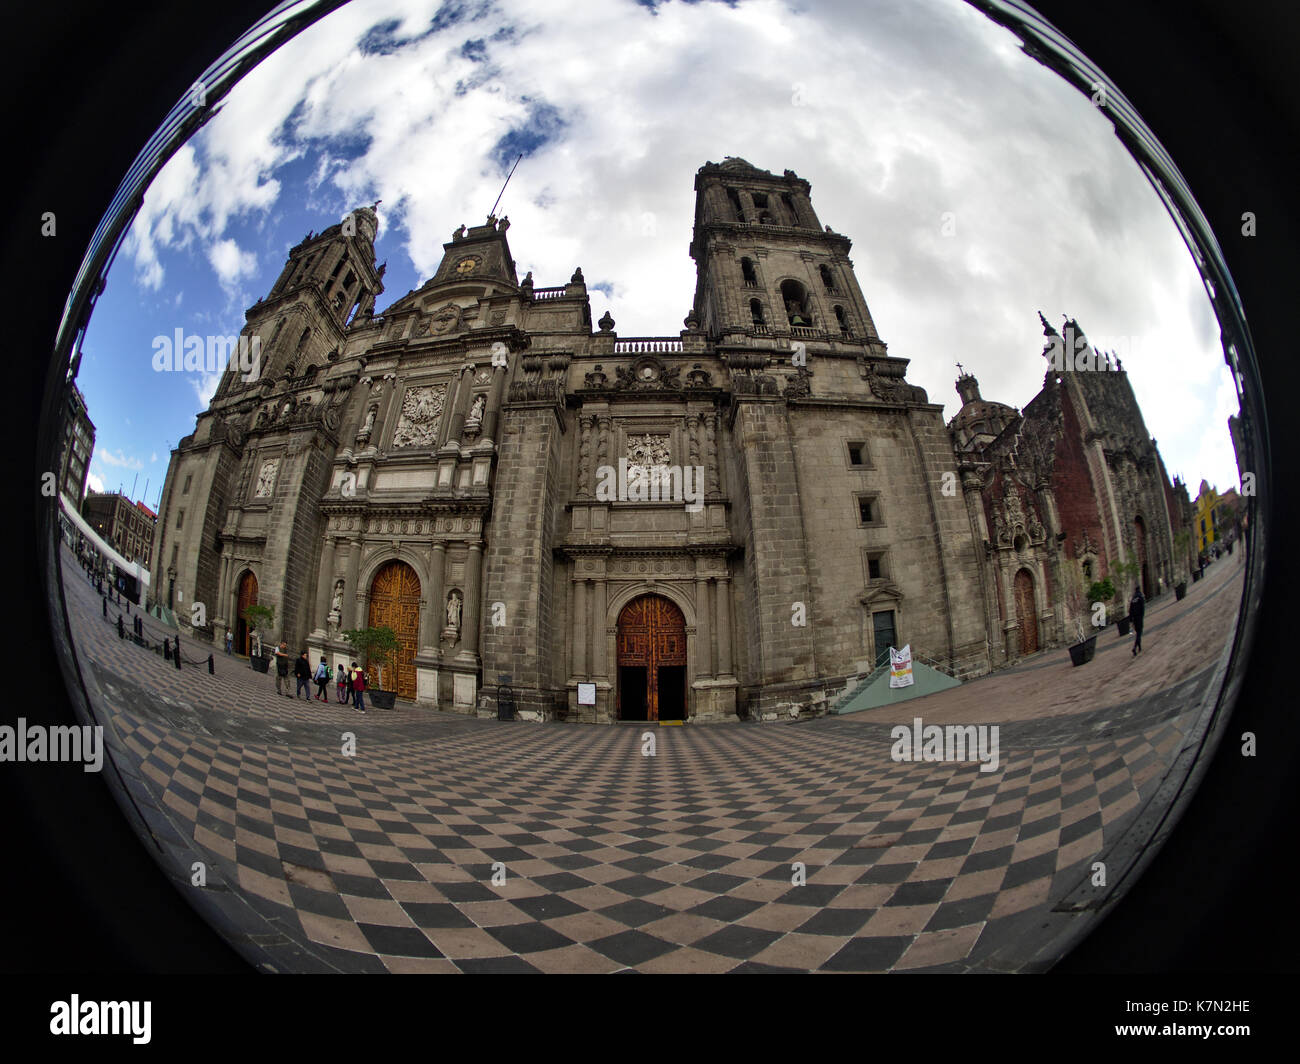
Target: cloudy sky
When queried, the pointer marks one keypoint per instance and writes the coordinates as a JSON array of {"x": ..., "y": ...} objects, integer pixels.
[{"x": 903, "y": 114}]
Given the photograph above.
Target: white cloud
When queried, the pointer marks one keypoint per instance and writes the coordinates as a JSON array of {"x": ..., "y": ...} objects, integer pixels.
[
  {"x": 119, "y": 459},
  {"x": 94, "y": 482},
  {"x": 230, "y": 263},
  {"x": 896, "y": 112}
]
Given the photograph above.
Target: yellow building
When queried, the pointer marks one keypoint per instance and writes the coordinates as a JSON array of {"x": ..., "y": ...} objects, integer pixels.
[{"x": 1205, "y": 521}]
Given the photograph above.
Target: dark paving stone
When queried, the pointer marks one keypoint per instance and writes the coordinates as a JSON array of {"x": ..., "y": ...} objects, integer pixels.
[
  {"x": 737, "y": 941},
  {"x": 725, "y": 908},
  {"x": 716, "y": 883},
  {"x": 396, "y": 870},
  {"x": 950, "y": 848},
  {"x": 843, "y": 922},
  {"x": 558, "y": 882},
  {"x": 887, "y": 873},
  {"x": 867, "y": 955},
  {"x": 962, "y": 913},
  {"x": 920, "y": 892},
  {"x": 1041, "y": 867},
  {"x": 640, "y": 864},
  {"x": 436, "y": 914},
  {"x": 466, "y": 892},
  {"x": 987, "y": 859},
  {"x": 638, "y": 886},
  {"x": 816, "y": 895},
  {"x": 359, "y": 886},
  {"x": 631, "y": 947},
  {"x": 399, "y": 941},
  {"x": 635, "y": 913},
  {"x": 529, "y": 938},
  {"x": 547, "y": 906},
  {"x": 1073, "y": 832}
]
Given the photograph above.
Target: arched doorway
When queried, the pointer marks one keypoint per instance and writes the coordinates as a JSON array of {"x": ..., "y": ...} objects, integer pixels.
[
  {"x": 1144, "y": 570},
  {"x": 651, "y": 660},
  {"x": 247, "y": 597},
  {"x": 1026, "y": 614},
  {"x": 395, "y": 602}
]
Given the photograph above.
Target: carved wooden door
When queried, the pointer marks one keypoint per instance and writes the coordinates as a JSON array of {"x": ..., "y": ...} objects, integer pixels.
[
  {"x": 247, "y": 597},
  {"x": 651, "y": 633},
  {"x": 1026, "y": 614},
  {"x": 395, "y": 602}
]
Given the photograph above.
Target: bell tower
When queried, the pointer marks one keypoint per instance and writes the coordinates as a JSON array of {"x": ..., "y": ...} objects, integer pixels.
[
  {"x": 328, "y": 284},
  {"x": 765, "y": 267}
]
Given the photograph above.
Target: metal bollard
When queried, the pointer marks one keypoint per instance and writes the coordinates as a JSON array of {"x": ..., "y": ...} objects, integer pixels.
[
  {"x": 105, "y": 602},
  {"x": 167, "y": 649},
  {"x": 177, "y": 657},
  {"x": 212, "y": 669},
  {"x": 121, "y": 628}
]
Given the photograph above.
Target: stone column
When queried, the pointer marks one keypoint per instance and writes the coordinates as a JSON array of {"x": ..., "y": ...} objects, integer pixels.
[
  {"x": 724, "y": 625},
  {"x": 470, "y": 619},
  {"x": 354, "y": 567},
  {"x": 599, "y": 663},
  {"x": 463, "y": 387},
  {"x": 431, "y": 626},
  {"x": 585, "y": 447},
  {"x": 580, "y": 628},
  {"x": 493, "y": 413},
  {"x": 324, "y": 585},
  {"x": 385, "y": 404},
  {"x": 711, "y": 453},
  {"x": 223, "y": 594},
  {"x": 703, "y": 635}
]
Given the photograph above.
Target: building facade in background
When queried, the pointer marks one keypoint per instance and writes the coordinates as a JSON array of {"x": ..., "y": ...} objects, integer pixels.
[
  {"x": 127, "y": 526},
  {"x": 78, "y": 446},
  {"x": 730, "y": 519}
]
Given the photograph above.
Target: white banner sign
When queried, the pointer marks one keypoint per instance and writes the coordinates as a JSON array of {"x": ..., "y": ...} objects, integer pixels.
[{"x": 900, "y": 667}]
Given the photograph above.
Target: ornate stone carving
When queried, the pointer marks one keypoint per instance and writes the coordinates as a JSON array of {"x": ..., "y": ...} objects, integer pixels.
[
  {"x": 647, "y": 451},
  {"x": 266, "y": 478},
  {"x": 648, "y": 374},
  {"x": 595, "y": 379},
  {"x": 421, "y": 413}
]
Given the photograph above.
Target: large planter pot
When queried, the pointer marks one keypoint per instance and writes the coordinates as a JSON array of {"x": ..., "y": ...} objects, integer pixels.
[
  {"x": 1081, "y": 653},
  {"x": 260, "y": 664},
  {"x": 1180, "y": 591},
  {"x": 382, "y": 699},
  {"x": 1196, "y": 575},
  {"x": 1124, "y": 626}
]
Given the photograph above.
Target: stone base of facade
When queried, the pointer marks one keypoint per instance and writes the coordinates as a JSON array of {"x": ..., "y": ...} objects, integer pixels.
[{"x": 714, "y": 699}]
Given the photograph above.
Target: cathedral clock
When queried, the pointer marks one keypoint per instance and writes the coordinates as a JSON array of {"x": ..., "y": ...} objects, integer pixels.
[{"x": 468, "y": 265}]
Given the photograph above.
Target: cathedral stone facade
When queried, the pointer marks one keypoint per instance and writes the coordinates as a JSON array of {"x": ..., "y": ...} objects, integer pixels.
[{"x": 727, "y": 521}]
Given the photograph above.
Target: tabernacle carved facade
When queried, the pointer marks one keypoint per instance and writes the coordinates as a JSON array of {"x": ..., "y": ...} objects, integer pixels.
[{"x": 730, "y": 520}]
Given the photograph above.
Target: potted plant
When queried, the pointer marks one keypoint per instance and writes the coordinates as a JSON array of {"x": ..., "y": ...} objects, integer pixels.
[
  {"x": 1080, "y": 606},
  {"x": 375, "y": 646},
  {"x": 260, "y": 619}
]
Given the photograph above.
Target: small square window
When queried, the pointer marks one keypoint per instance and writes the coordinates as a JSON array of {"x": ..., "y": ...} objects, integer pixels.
[
  {"x": 858, "y": 454},
  {"x": 876, "y": 567},
  {"x": 868, "y": 510}
]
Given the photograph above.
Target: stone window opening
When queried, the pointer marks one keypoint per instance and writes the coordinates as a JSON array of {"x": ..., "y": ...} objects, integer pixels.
[
  {"x": 756, "y": 312},
  {"x": 180, "y": 518},
  {"x": 858, "y": 454},
  {"x": 790, "y": 208},
  {"x": 734, "y": 197},
  {"x": 795, "y": 300},
  {"x": 877, "y": 565},
  {"x": 869, "y": 514},
  {"x": 842, "y": 321},
  {"x": 186, "y": 489},
  {"x": 748, "y": 274},
  {"x": 828, "y": 278}
]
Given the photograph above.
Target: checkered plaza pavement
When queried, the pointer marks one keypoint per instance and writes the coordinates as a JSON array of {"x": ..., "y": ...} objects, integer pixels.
[{"x": 684, "y": 861}]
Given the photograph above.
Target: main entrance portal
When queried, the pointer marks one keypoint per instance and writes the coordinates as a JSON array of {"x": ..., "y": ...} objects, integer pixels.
[
  {"x": 395, "y": 602},
  {"x": 651, "y": 660}
]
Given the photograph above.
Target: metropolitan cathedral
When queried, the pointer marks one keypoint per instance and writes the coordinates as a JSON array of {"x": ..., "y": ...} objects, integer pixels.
[{"x": 469, "y": 468}]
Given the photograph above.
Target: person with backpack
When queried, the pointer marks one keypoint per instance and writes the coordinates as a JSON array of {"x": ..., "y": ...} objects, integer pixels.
[
  {"x": 358, "y": 687},
  {"x": 322, "y": 680},
  {"x": 302, "y": 672},
  {"x": 282, "y": 669},
  {"x": 342, "y": 680}
]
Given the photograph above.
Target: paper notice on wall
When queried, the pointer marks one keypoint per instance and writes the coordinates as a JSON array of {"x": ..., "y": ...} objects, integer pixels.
[{"x": 900, "y": 667}]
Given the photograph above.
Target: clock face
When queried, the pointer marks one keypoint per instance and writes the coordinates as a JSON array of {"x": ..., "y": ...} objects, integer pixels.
[{"x": 467, "y": 265}]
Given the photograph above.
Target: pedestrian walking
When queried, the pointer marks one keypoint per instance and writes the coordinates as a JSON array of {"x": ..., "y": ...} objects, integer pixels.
[
  {"x": 282, "y": 669},
  {"x": 1137, "y": 608},
  {"x": 322, "y": 680},
  {"x": 230, "y": 641},
  {"x": 302, "y": 673},
  {"x": 358, "y": 687},
  {"x": 341, "y": 679}
]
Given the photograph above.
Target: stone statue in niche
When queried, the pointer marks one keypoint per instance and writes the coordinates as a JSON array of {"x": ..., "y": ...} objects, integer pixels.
[
  {"x": 476, "y": 409},
  {"x": 453, "y": 611},
  {"x": 364, "y": 434},
  {"x": 336, "y": 607},
  {"x": 266, "y": 478}
]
